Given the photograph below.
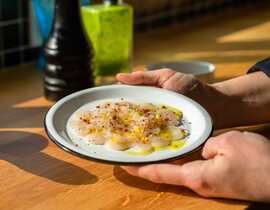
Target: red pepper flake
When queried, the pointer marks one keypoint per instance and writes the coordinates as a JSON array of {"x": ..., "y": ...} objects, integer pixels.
[
  {"x": 86, "y": 121},
  {"x": 146, "y": 111}
]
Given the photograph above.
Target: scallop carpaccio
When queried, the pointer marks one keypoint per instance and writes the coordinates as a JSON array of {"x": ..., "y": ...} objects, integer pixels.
[{"x": 123, "y": 125}]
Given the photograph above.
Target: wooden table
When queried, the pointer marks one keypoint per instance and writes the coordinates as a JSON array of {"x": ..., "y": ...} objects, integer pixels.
[{"x": 36, "y": 174}]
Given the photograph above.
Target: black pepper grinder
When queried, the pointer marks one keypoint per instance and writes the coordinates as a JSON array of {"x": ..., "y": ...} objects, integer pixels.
[{"x": 68, "y": 53}]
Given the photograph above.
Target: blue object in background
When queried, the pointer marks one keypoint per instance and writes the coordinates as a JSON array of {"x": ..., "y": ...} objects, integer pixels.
[{"x": 44, "y": 11}]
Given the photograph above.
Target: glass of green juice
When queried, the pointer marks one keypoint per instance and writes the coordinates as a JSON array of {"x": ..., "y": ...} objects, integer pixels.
[{"x": 110, "y": 29}]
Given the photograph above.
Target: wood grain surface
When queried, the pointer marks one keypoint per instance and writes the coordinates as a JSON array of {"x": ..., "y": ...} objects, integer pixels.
[{"x": 35, "y": 174}]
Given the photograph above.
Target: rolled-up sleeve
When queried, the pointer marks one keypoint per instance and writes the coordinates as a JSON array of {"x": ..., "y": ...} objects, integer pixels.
[{"x": 263, "y": 65}]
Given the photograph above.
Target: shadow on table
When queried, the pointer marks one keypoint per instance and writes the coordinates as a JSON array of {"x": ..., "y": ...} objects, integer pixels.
[
  {"x": 262, "y": 129},
  {"x": 23, "y": 117},
  {"x": 258, "y": 206},
  {"x": 23, "y": 149},
  {"x": 140, "y": 183}
]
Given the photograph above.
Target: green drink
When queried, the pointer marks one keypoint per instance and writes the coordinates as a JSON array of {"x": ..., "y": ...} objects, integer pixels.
[{"x": 110, "y": 28}]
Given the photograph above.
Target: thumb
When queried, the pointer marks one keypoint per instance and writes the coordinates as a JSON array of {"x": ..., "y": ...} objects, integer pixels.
[
  {"x": 189, "y": 174},
  {"x": 211, "y": 148},
  {"x": 152, "y": 78}
]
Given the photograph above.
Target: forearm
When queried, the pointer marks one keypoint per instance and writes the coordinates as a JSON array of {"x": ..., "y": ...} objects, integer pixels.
[{"x": 246, "y": 101}]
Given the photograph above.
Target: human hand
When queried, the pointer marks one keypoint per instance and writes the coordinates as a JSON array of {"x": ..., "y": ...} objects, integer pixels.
[
  {"x": 210, "y": 97},
  {"x": 229, "y": 102},
  {"x": 236, "y": 165}
]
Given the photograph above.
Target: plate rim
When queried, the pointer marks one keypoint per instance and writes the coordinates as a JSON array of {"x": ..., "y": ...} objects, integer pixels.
[
  {"x": 78, "y": 154},
  {"x": 211, "y": 67}
]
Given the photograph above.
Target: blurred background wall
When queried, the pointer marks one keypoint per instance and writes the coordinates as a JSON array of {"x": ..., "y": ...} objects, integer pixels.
[
  {"x": 20, "y": 39},
  {"x": 15, "y": 45},
  {"x": 157, "y": 13}
]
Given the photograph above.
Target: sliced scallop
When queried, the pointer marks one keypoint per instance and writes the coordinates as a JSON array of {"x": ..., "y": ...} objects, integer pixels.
[
  {"x": 157, "y": 141},
  {"x": 79, "y": 128},
  {"x": 143, "y": 147},
  {"x": 118, "y": 143},
  {"x": 176, "y": 132},
  {"x": 95, "y": 139}
]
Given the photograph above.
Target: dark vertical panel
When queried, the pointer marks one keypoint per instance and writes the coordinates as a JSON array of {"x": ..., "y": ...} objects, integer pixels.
[
  {"x": 1, "y": 40},
  {"x": 12, "y": 58},
  {"x": 11, "y": 36},
  {"x": 10, "y": 10}
]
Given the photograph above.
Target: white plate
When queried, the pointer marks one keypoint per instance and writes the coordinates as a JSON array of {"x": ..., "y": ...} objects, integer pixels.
[{"x": 57, "y": 117}]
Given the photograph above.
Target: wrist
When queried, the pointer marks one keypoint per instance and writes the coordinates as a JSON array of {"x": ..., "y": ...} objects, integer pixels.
[
  {"x": 247, "y": 99},
  {"x": 229, "y": 109}
]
